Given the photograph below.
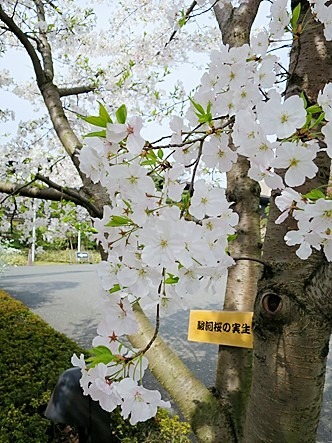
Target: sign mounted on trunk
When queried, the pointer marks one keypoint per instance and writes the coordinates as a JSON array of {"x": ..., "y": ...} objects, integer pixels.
[{"x": 230, "y": 328}]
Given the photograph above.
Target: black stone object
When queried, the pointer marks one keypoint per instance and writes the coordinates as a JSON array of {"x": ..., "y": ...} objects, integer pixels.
[{"x": 69, "y": 406}]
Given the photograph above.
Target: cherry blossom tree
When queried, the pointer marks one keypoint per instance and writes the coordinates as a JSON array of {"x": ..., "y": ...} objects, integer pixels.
[{"x": 166, "y": 227}]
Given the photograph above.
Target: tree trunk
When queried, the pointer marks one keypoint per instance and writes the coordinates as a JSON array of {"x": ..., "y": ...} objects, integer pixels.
[
  {"x": 292, "y": 316},
  {"x": 233, "y": 376}
]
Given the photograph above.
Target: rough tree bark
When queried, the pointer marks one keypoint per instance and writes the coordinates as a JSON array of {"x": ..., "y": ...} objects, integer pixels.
[
  {"x": 292, "y": 316},
  {"x": 233, "y": 376}
]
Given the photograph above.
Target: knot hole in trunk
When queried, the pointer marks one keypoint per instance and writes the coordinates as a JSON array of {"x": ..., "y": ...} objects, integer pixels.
[{"x": 271, "y": 303}]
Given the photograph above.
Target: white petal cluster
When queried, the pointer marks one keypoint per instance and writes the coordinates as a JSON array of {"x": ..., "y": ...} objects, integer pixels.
[
  {"x": 166, "y": 229},
  {"x": 314, "y": 221},
  {"x": 323, "y": 13}
]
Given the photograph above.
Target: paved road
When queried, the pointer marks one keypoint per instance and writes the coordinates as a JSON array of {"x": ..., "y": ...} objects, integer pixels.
[{"x": 67, "y": 297}]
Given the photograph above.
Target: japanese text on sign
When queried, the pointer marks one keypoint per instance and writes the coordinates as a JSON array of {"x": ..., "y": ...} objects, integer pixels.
[{"x": 221, "y": 327}]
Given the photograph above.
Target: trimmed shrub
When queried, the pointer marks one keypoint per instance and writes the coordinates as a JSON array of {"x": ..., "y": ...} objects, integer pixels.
[{"x": 32, "y": 357}]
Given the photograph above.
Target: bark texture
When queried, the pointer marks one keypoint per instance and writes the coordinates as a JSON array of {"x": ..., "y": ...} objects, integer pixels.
[
  {"x": 293, "y": 311},
  {"x": 233, "y": 376}
]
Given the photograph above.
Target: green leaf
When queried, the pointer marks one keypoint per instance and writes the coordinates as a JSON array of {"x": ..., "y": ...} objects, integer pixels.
[
  {"x": 117, "y": 220},
  {"x": 231, "y": 237},
  {"x": 314, "y": 195},
  {"x": 160, "y": 153},
  {"x": 182, "y": 21},
  {"x": 96, "y": 134},
  {"x": 197, "y": 106},
  {"x": 148, "y": 163},
  {"x": 95, "y": 120},
  {"x": 295, "y": 16},
  {"x": 127, "y": 203},
  {"x": 121, "y": 114},
  {"x": 104, "y": 114},
  {"x": 314, "y": 109},
  {"x": 302, "y": 95},
  {"x": 206, "y": 118},
  {"x": 100, "y": 354},
  {"x": 152, "y": 155},
  {"x": 115, "y": 288},
  {"x": 318, "y": 121},
  {"x": 308, "y": 121},
  {"x": 150, "y": 159},
  {"x": 171, "y": 279}
]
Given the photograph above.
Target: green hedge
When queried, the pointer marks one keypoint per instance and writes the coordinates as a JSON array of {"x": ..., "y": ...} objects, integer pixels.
[{"x": 32, "y": 357}]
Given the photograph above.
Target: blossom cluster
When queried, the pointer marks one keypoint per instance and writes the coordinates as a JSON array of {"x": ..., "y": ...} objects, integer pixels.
[
  {"x": 135, "y": 401},
  {"x": 314, "y": 221},
  {"x": 166, "y": 228},
  {"x": 324, "y": 15}
]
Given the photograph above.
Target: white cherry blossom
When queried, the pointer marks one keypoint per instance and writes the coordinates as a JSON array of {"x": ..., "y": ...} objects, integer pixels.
[
  {"x": 119, "y": 318},
  {"x": 325, "y": 100},
  {"x": 298, "y": 161},
  {"x": 327, "y": 132},
  {"x": 217, "y": 154},
  {"x": 206, "y": 200},
  {"x": 286, "y": 202},
  {"x": 279, "y": 18},
  {"x": 102, "y": 389},
  {"x": 281, "y": 119},
  {"x": 116, "y": 132},
  {"x": 138, "y": 402},
  {"x": 163, "y": 243},
  {"x": 84, "y": 380}
]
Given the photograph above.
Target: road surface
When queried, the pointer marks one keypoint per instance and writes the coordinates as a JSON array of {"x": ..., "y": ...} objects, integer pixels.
[{"x": 68, "y": 298}]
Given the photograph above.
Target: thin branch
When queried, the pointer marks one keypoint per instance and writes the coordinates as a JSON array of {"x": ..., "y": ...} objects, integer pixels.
[
  {"x": 186, "y": 141},
  {"x": 205, "y": 10},
  {"x": 21, "y": 36},
  {"x": 151, "y": 341},
  {"x": 191, "y": 186},
  {"x": 12, "y": 217},
  {"x": 155, "y": 334},
  {"x": 186, "y": 16}
]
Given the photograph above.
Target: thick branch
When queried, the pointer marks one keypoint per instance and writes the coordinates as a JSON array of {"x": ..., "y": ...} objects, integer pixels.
[
  {"x": 34, "y": 192},
  {"x": 311, "y": 63},
  {"x": 54, "y": 192},
  {"x": 76, "y": 90},
  {"x": 72, "y": 193},
  {"x": 235, "y": 23},
  {"x": 44, "y": 47}
]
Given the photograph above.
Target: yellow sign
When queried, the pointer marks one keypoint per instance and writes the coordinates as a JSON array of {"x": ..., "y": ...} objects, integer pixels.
[{"x": 230, "y": 328}]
